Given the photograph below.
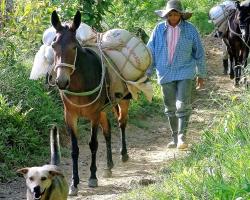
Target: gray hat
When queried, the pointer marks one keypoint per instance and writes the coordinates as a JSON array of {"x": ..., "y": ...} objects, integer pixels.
[{"x": 173, "y": 5}]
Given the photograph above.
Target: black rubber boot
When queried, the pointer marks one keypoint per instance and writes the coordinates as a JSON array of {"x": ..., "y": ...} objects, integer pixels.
[
  {"x": 173, "y": 122},
  {"x": 182, "y": 130}
]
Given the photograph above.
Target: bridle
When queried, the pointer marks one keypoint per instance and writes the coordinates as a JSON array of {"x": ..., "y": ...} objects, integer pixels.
[
  {"x": 88, "y": 93},
  {"x": 72, "y": 66}
]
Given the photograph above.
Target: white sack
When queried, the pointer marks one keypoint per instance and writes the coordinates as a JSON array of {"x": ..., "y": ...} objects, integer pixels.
[
  {"x": 49, "y": 35},
  {"x": 40, "y": 65},
  {"x": 218, "y": 14},
  {"x": 130, "y": 55},
  {"x": 85, "y": 35}
]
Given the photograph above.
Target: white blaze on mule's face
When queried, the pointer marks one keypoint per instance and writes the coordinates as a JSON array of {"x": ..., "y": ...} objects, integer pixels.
[
  {"x": 63, "y": 77},
  {"x": 65, "y": 56}
]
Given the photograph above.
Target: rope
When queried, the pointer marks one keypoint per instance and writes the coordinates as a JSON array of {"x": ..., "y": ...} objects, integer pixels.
[
  {"x": 48, "y": 79},
  {"x": 237, "y": 34},
  {"x": 73, "y": 67}
]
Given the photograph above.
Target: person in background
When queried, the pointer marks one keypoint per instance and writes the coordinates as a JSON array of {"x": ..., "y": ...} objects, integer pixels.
[{"x": 178, "y": 57}]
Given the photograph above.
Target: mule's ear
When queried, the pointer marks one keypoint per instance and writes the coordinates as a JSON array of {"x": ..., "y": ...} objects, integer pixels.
[
  {"x": 55, "y": 21},
  {"x": 237, "y": 4},
  {"x": 77, "y": 21}
]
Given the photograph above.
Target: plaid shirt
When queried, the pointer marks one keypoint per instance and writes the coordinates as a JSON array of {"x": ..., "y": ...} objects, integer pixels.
[{"x": 189, "y": 56}]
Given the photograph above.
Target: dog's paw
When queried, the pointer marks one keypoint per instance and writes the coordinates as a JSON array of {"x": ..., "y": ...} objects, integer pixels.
[{"x": 73, "y": 191}]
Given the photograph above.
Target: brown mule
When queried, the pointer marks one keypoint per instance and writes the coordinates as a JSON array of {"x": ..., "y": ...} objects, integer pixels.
[{"x": 80, "y": 77}]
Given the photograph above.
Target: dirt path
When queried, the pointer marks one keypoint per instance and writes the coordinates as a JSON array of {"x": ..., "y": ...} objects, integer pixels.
[{"x": 147, "y": 148}]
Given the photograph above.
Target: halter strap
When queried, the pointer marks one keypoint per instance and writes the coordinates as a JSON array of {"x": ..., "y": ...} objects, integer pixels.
[{"x": 72, "y": 66}]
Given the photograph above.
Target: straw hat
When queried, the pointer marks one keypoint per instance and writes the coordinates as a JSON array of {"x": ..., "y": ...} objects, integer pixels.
[{"x": 173, "y": 5}]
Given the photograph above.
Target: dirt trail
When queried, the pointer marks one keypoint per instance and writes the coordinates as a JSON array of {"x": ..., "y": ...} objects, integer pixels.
[{"x": 147, "y": 148}]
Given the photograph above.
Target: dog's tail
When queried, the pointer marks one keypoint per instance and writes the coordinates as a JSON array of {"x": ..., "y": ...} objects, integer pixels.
[{"x": 55, "y": 146}]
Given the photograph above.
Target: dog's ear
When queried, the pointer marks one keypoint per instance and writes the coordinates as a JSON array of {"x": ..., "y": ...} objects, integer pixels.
[
  {"x": 55, "y": 173},
  {"x": 237, "y": 4},
  {"x": 23, "y": 171}
]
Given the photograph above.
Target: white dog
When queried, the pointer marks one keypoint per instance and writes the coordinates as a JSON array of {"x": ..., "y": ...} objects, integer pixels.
[{"x": 47, "y": 182}]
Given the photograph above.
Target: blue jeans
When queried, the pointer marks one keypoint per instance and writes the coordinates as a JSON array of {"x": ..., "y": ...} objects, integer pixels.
[{"x": 177, "y": 98}]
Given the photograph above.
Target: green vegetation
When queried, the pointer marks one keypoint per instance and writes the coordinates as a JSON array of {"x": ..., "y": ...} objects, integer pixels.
[
  {"x": 27, "y": 108},
  {"x": 217, "y": 168}
]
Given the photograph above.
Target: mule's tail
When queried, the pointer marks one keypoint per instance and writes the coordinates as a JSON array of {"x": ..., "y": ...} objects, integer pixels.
[{"x": 55, "y": 146}]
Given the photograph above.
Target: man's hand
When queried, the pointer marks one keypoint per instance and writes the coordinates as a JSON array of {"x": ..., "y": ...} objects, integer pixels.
[{"x": 200, "y": 82}]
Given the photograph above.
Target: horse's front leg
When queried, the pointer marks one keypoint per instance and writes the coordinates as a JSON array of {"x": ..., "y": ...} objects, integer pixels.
[
  {"x": 106, "y": 129},
  {"x": 71, "y": 124},
  {"x": 93, "y": 144},
  {"x": 122, "y": 120}
]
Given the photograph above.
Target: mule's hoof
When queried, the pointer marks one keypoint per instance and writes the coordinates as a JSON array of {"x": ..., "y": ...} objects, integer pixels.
[
  {"x": 73, "y": 191},
  {"x": 231, "y": 76},
  {"x": 93, "y": 182},
  {"x": 107, "y": 173},
  {"x": 125, "y": 158},
  {"x": 236, "y": 85}
]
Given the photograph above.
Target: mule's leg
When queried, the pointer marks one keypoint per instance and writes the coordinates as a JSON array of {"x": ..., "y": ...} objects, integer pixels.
[
  {"x": 238, "y": 65},
  {"x": 237, "y": 75},
  {"x": 71, "y": 123},
  {"x": 93, "y": 144},
  {"x": 225, "y": 66},
  {"x": 106, "y": 128},
  {"x": 231, "y": 73},
  {"x": 122, "y": 115},
  {"x": 225, "y": 58},
  {"x": 245, "y": 56}
]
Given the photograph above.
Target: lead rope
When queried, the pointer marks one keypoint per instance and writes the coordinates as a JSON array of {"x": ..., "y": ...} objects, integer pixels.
[
  {"x": 73, "y": 67},
  {"x": 48, "y": 79},
  {"x": 102, "y": 81}
]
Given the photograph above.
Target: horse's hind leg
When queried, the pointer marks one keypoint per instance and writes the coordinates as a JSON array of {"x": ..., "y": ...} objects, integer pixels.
[
  {"x": 122, "y": 115},
  {"x": 107, "y": 134},
  {"x": 93, "y": 144}
]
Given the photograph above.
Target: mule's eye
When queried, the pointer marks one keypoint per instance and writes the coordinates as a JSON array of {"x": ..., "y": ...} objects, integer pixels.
[
  {"x": 53, "y": 44},
  {"x": 31, "y": 178},
  {"x": 43, "y": 178}
]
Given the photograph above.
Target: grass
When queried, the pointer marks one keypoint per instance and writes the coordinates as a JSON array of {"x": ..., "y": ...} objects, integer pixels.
[{"x": 217, "y": 168}]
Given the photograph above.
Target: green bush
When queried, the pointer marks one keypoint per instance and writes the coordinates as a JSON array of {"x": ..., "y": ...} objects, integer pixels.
[{"x": 27, "y": 111}]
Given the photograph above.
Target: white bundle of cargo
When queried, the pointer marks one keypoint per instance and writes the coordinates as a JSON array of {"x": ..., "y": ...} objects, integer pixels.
[
  {"x": 130, "y": 55},
  {"x": 218, "y": 14}
]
